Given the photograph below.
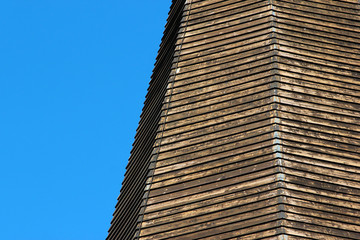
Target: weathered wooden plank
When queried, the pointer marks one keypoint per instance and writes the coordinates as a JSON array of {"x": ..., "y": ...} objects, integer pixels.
[
  {"x": 321, "y": 196},
  {"x": 309, "y": 114},
  {"x": 225, "y": 147},
  {"x": 325, "y": 64},
  {"x": 124, "y": 222},
  {"x": 320, "y": 124},
  {"x": 228, "y": 140},
  {"x": 226, "y": 215},
  {"x": 297, "y": 230},
  {"x": 324, "y": 183},
  {"x": 265, "y": 177},
  {"x": 206, "y": 135},
  {"x": 322, "y": 129},
  {"x": 244, "y": 53},
  {"x": 191, "y": 108},
  {"x": 203, "y": 230},
  {"x": 344, "y": 176},
  {"x": 214, "y": 175},
  {"x": 248, "y": 227},
  {"x": 311, "y": 54},
  {"x": 200, "y": 3},
  {"x": 303, "y": 151},
  {"x": 322, "y": 163},
  {"x": 219, "y": 89},
  {"x": 242, "y": 116},
  {"x": 173, "y": 207},
  {"x": 239, "y": 108},
  {"x": 266, "y": 234},
  {"x": 324, "y": 17},
  {"x": 322, "y": 210},
  {"x": 347, "y": 230},
  {"x": 335, "y": 8},
  {"x": 247, "y": 75},
  {"x": 216, "y": 7},
  {"x": 318, "y": 106},
  {"x": 218, "y": 130},
  {"x": 257, "y": 131},
  {"x": 228, "y": 68},
  {"x": 320, "y": 145},
  {"x": 228, "y": 179},
  {"x": 318, "y": 44},
  {"x": 348, "y": 144},
  {"x": 329, "y": 29},
  {"x": 314, "y": 95},
  {"x": 224, "y": 51},
  {"x": 321, "y": 68},
  {"x": 222, "y": 42},
  {"x": 334, "y": 88},
  {"x": 259, "y": 152},
  {"x": 340, "y": 6},
  {"x": 233, "y": 31},
  {"x": 226, "y": 19},
  {"x": 314, "y": 74},
  {"x": 316, "y": 33}
]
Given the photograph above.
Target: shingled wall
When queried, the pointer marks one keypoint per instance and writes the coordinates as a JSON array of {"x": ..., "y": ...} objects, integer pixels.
[{"x": 251, "y": 127}]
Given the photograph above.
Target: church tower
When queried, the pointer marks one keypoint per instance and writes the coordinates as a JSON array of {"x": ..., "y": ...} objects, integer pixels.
[{"x": 251, "y": 125}]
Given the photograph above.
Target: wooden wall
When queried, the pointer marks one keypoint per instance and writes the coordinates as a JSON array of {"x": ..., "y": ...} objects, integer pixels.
[
  {"x": 124, "y": 222},
  {"x": 259, "y": 129}
]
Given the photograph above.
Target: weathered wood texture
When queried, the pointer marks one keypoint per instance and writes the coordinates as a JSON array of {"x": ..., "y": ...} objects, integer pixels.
[
  {"x": 123, "y": 224},
  {"x": 258, "y": 133}
]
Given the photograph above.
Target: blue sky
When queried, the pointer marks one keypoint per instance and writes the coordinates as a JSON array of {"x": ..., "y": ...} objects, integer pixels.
[{"x": 73, "y": 79}]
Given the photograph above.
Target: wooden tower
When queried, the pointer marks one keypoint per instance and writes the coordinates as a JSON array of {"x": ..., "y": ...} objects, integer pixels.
[{"x": 251, "y": 125}]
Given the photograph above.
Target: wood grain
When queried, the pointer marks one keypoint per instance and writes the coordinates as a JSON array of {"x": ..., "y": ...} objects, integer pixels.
[{"x": 251, "y": 126}]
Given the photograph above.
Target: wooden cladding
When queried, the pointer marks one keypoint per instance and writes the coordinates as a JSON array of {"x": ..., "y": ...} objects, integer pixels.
[
  {"x": 251, "y": 127},
  {"x": 123, "y": 225}
]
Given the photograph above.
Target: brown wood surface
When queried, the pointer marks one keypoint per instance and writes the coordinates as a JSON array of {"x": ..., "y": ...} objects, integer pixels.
[{"x": 251, "y": 127}]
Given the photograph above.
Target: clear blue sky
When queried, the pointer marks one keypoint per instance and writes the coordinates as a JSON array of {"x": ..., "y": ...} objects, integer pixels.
[{"x": 73, "y": 79}]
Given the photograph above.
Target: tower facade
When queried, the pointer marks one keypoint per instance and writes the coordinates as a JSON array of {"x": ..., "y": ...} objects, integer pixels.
[{"x": 251, "y": 125}]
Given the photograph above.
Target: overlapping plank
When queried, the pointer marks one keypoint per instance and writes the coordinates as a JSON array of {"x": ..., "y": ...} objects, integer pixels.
[{"x": 258, "y": 131}]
